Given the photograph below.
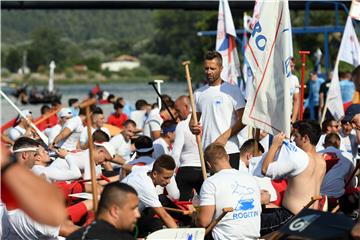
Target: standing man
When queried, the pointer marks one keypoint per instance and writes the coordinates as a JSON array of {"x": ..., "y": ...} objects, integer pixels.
[
  {"x": 294, "y": 92},
  {"x": 229, "y": 187},
  {"x": 118, "y": 117},
  {"x": 186, "y": 153},
  {"x": 116, "y": 216},
  {"x": 122, "y": 141},
  {"x": 313, "y": 86},
  {"x": 220, "y": 107}
]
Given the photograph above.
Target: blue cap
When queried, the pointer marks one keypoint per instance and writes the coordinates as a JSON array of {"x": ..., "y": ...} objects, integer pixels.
[{"x": 351, "y": 111}]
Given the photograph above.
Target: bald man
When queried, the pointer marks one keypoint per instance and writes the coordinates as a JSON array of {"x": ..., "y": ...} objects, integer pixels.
[{"x": 185, "y": 152}]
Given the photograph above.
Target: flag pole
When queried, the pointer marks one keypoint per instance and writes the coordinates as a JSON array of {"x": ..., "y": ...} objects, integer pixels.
[
  {"x": 303, "y": 63},
  {"x": 194, "y": 118}
]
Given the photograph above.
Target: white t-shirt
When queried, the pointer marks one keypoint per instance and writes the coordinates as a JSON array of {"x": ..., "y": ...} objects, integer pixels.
[
  {"x": 217, "y": 105},
  {"x": 55, "y": 173},
  {"x": 121, "y": 147},
  {"x": 333, "y": 184},
  {"x": 320, "y": 144},
  {"x": 51, "y": 133},
  {"x": 145, "y": 188},
  {"x": 23, "y": 227},
  {"x": 75, "y": 125},
  {"x": 139, "y": 117},
  {"x": 16, "y": 132},
  {"x": 350, "y": 143},
  {"x": 294, "y": 85},
  {"x": 81, "y": 160},
  {"x": 239, "y": 190},
  {"x": 146, "y": 160},
  {"x": 84, "y": 134},
  {"x": 153, "y": 122},
  {"x": 290, "y": 160},
  {"x": 160, "y": 147},
  {"x": 263, "y": 182},
  {"x": 185, "y": 151}
]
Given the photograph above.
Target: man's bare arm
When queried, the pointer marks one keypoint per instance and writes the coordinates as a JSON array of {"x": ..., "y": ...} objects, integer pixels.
[
  {"x": 62, "y": 135},
  {"x": 205, "y": 216},
  {"x": 234, "y": 129},
  {"x": 155, "y": 134},
  {"x": 48, "y": 205},
  {"x": 165, "y": 217},
  {"x": 295, "y": 112}
]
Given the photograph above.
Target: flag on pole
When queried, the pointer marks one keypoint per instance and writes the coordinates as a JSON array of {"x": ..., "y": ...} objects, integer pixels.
[
  {"x": 268, "y": 53},
  {"x": 226, "y": 44},
  {"x": 246, "y": 70},
  {"x": 349, "y": 52},
  {"x": 334, "y": 101}
]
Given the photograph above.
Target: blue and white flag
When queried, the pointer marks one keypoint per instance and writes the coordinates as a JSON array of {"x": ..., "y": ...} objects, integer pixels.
[
  {"x": 268, "y": 53},
  {"x": 226, "y": 44}
]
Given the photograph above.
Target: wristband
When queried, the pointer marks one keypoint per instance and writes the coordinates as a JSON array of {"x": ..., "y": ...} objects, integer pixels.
[{"x": 7, "y": 166}]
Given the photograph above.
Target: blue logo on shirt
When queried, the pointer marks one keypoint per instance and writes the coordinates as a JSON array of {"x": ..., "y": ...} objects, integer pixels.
[{"x": 245, "y": 202}]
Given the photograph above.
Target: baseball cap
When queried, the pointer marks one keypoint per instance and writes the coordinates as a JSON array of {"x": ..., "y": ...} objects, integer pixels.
[
  {"x": 143, "y": 144},
  {"x": 108, "y": 147},
  {"x": 25, "y": 112},
  {"x": 351, "y": 111},
  {"x": 65, "y": 112}
]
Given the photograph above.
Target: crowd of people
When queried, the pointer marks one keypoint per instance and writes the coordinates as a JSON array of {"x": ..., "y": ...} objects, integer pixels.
[{"x": 150, "y": 174}]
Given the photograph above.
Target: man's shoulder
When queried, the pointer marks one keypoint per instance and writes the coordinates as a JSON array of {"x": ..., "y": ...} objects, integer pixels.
[{"x": 100, "y": 231}]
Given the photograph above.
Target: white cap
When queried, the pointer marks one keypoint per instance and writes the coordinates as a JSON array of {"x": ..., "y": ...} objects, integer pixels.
[
  {"x": 65, "y": 112},
  {"x": 26, "y": 112},
  {"x": 109, "y": 148}
]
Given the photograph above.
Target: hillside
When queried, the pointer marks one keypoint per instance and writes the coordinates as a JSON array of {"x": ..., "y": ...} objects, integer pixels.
[{"x": 78, "y": 25}]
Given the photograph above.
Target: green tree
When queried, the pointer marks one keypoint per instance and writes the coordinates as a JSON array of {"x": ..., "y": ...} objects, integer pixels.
[
  {"x": 45, "y": 47},
  {"x": 13, "y": 60}
]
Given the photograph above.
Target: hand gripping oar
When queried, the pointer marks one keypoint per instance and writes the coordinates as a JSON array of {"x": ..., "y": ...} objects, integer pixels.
[
  {"x": 162, "y": 100},
  {"x": 41, "y": 135}
]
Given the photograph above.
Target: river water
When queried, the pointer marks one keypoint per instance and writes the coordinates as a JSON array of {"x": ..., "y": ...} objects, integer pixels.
[{"x": 131, "y": 92}]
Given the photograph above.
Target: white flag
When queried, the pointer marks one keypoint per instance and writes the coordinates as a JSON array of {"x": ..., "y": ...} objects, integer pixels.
[
  {"x": 269, "y": 53},
  {"x": 349, "y": 52},
  {"x": 226, "y": 44},
  {"x": 355, "y": 9},
  {"x": 334, "y": 100},
  {"x": 349, "y": 48}
]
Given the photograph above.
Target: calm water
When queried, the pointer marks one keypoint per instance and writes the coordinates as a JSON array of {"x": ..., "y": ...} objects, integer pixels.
[{"x": 131, "y": 93}]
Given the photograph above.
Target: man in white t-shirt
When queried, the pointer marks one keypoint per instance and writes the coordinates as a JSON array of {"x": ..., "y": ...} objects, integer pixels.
[
  {"x": 294, "y": 92},
  {"x": 185, "y": 152},
  {"x": 22, "y": 129},
  {"x": 152, "y": 126},
  {"x": 69, "y": 136},
  {"x": 220, "y": 107},
  {"x": 229, "y": 187},
  {"x": 145, "y": 182},
  {"x": 163, "y": 145},
  {"x": 97, "y": 122},
  {"x": 63, "y": 115},
  {"x": 348, "y": 137},
  {"x": 338, "y": 174},
  {"x": 102, "y": 152},
  {"x": 122, "y": 141}
]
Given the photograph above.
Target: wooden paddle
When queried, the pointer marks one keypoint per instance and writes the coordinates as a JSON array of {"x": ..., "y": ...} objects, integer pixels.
[
  {"x": 194, "y": 118},
  {"x": 218, "y": 219}
]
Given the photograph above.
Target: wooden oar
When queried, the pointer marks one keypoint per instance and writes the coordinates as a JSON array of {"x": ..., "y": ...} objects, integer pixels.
[
  {"x": 194, "y": 118},
  {"x": 218, "y": 219},
  {"x": 86, "y": 104},
  {"x": 184, "y": 212}
]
